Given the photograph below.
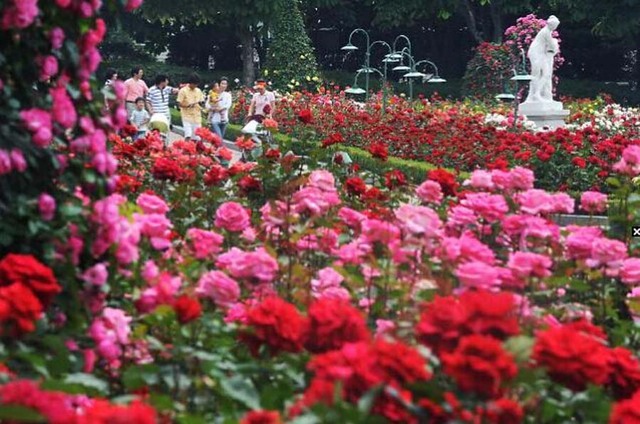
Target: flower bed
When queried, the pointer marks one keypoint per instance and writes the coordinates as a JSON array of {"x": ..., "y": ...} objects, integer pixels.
[
  {"x": 457, "y": 136},
  {"x": 293, "y": 288}
]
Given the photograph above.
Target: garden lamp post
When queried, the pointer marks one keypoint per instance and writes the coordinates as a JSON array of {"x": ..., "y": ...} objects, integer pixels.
[
  {"x": 414, "y": 73},
  {"x": 350, "y": 47},
  {"x": 355, "y": 89}
]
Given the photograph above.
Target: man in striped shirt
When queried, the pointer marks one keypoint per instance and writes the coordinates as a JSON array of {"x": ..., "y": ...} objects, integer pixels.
[{"x": 158, "y": 96}]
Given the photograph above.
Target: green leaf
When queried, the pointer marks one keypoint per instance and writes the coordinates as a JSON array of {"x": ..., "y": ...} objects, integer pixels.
[
  {"x": 191, "y": 419},
  {"x": 613, "y": 182},
  {"x": 20, "y": 413},
  {"x": 140, "y": 376},
  {"x": 88, "y": 380},
  {"x": 521, "y": 348},
  {"x": 241, "y": 389},
  {"x": 365, "y": 403}
]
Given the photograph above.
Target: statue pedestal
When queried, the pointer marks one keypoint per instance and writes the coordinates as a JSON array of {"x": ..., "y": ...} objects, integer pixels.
[{"x": 545, "y": 114}]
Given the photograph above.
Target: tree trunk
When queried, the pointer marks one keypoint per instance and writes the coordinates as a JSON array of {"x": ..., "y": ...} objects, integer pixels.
[
  {"x": 496, "y": 20},
  {"x": 248, "y": 70},
  {"x": 470, "y": 18}
]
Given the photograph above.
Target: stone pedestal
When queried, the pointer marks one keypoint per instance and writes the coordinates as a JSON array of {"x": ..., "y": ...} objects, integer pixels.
[{"x": 545, "y": 114}]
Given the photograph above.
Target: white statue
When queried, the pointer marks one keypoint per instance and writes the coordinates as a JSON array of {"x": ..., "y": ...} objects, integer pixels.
[{"x": 541, "y": 53}]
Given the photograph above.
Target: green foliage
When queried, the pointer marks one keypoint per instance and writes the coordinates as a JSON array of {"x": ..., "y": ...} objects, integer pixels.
[
  {"x": 291, "y": 62},
  {"x": 415, "y": 171},
  {"x": 488, "y": 72}
]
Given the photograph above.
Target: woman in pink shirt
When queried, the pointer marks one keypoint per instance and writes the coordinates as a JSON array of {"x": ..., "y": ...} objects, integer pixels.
[{"x": 136, "y": 87}]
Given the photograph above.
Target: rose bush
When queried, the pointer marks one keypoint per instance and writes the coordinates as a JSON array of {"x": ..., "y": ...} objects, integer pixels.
[{"x": 298, "y": 288}]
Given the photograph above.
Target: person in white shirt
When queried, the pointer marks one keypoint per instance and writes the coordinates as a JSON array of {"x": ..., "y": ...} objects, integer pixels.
[
  {"x": 263, "y": 103},
  {"x": 219, "y": 108},
  {"x": 158, "y": 97}
]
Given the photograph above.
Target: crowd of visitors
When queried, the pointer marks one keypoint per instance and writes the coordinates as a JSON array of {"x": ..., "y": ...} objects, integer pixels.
[{"x": 149, "y": 109}]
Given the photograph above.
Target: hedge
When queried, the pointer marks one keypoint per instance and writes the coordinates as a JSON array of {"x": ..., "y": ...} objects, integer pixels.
[{"x": 415, "y": 171}]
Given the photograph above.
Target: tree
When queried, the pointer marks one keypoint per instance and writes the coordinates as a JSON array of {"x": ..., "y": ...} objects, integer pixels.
[
  {"x": 290, "y": 55},
  {"x": 241, "y": 16}
]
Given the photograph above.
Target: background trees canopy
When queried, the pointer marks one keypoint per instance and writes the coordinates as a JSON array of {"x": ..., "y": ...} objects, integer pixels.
[{"x": 600, "y": 37}]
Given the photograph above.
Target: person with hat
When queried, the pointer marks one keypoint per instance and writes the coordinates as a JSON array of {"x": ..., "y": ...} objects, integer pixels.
[{"x": 263, "y": 102}]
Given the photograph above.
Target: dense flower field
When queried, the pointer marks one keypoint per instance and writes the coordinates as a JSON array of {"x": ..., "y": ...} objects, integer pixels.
[
  {"x": 465, "y": 136},
  {"x": 145, "y": 283}
]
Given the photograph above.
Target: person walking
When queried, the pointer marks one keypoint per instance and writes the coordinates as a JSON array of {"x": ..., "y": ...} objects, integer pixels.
[
  {"x": 111, "y": 75},
  {"x": 191, "y": 101},
  {"x": 219, "y": 107},
  {"x": 158, "y": 97},
  {"x": 136, "y": 87},
  {"x": 263, "y": 103}
]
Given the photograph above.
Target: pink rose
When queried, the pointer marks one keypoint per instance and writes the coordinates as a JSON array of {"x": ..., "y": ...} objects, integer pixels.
[
  {"x": 18, "y": 161},
  {"x": 232, "y": 216},
  {"x": 315, "y": 201},
  {"x": 430, "y": 192},
  {"x": 521, "y": 178},
  {"x": 529, "y": 264},
  {"x": 97, "y": 275},
  {"x": 218, "y": 287},
  {"x": 322, "y": 180},
  {"x": 491, "y": 207},
  {"x": 205, "y": 244},
  {"x": 593, "y": 202},
  {"x": 419, "y": 220},
  {"x": 39, "y": 123},
  {"x": 46, "y": 206},
  {"x": 19, "y": 13},
  {"x": 63, "y": 111},
  {"x": 481, "y": 179},
  {"x": 327, "y": 278},
  {"x": 5, "y": 162},
  {"x": 351, "y": 218},
  {"x": 257, "y": 266},
  {"x": 631, "y": 155},
  {"x": 56, "y": 36},
  {"x": 150, "y": 203},
  {"x": 132, "y": 5},
  {"x": 477, "y": 275},
  {"x": 375, "y": 230},
  {"x": 48, "y": 67},
  {"x": 630, "y": 271}
]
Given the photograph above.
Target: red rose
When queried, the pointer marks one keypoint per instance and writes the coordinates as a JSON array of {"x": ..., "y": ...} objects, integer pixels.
[
  {"x": 579, "y": 162},
  {"x": 359, "y": 367},
  {"x": 393, "y": 179},
  {"x": 504, "y": 411},
  {"x": 572, "y": 358},
  {"x": 305, "y": 116},
  {"x": 187, "y": 309},
  {"x": 490, "y": 314},
  {"x": 248, "y": 184},
  {"x": 625, "y": 373},
  {"x": 18, "y": 308},
  {"x": 334, "y": 138},
  {"x": 626, "y": 411},
  {"x": 101, "y": 411},
  {"x": 273, "y": 154},
  {"x": 440, "y": 325},
  {"x": 480, "y": 365},
  {"x": 332, "y": 323},
  {"x": 215, "y": 175},
  {"x": 25, "y": 269},
  {"x": 261, "y": 417},
  {"x": 275, "y": 324},
  {"x": 378, "y": 150},
  {"x": 446, "y": 180},
  {"x": 355, "y": 185}
]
